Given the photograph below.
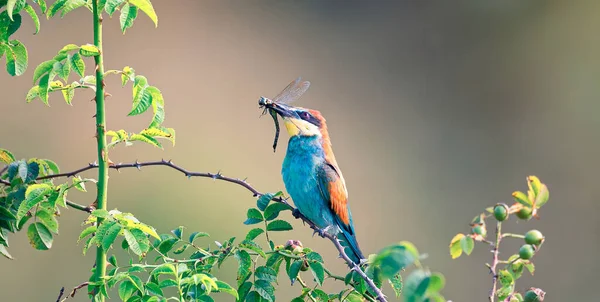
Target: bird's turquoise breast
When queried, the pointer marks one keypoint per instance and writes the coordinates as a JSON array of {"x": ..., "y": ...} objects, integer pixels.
[{"x": 304, "y": 156}]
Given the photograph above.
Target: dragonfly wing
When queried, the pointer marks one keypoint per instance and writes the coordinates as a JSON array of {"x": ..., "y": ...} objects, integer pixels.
[{"x": 292, "y": 92}]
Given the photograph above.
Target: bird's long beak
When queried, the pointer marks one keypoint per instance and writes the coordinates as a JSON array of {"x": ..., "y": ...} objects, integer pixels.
[{"x": 284, "y": 110}]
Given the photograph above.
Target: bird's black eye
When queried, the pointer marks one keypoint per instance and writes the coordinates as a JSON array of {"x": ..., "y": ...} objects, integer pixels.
[{"x": 305, "y": 115}]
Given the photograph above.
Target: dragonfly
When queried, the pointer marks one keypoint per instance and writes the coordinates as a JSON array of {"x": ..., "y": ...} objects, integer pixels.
[{"x": 291, "y": 93}]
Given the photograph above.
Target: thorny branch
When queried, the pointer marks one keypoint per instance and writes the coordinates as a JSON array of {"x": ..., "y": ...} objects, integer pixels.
[
  {"x": 218, "y": 176},
  {"x": 495, "y": 261},
  {"x": 73, "y": 292}
]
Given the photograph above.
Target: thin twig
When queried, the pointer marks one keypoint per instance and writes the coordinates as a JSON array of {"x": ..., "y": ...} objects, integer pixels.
[
  {"x": 218, "y": 176},
  {"x": 73, "y": 292},
  {"x": 495, "y": 261}
]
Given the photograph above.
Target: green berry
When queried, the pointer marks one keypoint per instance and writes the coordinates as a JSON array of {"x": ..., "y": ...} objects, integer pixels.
[
  {"x": 534, "y": 295},
  {"x": 501, "y": 212},
  {"x": 526, "y": 251},
  {"x": 524, "y": 213},
  {"x": 534, "y": 237},
  {"x": 479, "y": 230}
]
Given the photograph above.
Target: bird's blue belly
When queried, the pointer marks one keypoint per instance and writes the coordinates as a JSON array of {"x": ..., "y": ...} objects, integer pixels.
[{"x": 299, "y": 171}]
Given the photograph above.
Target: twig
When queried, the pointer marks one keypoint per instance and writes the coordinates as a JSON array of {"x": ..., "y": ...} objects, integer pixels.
[
  {"x": 218, "y": 176},
  {"x": 73, "y": 292},
  {"x": 495, "y": 260}
]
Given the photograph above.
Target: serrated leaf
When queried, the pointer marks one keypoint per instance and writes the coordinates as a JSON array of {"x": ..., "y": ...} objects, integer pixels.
[
  {"x": 67, "y": 48},
  {"x": 78, "y": 64},
  {"x": 86, "y": 232},
  {"x": 35, "y": 194},
  {"x": 314, "y": 256},
  {"x": 166, "y": 268},
  {"x": 100, "y": 213},
  {"x": 416, "y": 285},
  {"x": 394, "y": 258},
  {"x": 293, "y": 270},
  {"x": 253, "y": 246},
  {"x": 254, "y": 216},
  {"x": 16, "y": 58},
  {"x": 226, "y": 288},
  {"x": 195, "y": 235},
  {"x": 254, "y": 233},
  {"x": 43, "y": 88},
  {"x": 318, "y": 271},
  {"x": 166, "y": 245},
  {"x": 36, "y": 20},
  {"x": 467, "y": 244},
  {"x": 71, "y": 5},
  {"x": 112, "y": 5},
  {"x": 89, "y": 50},
  {"x": 265, "y": 273},
  {"x": 137, "y": 241},
  {"x": 146, "y": 7},
  {"x": 279, "y": 225},
  {"x": 159, "y": 117},
  {"x": 42, "y": 69},
  {"x": 110, "y": 236},
  {"x": 68, "y": 95},
  {"x": 146, "y": 139},
  {"x": 263, "y": 201},
  {"x": 63, "y": 73},
  {"x": 141, "y": 103},
  {"x": 396, "y": 283},
  {"x": 455, "y": 246},
  {"x": 521, "y": 198},
  {"x": 5, "y": 252},
  {"x": 272, "y": 211},
  {"x": 244, "y": 265},
  {"x": 542, "y": 197},
  {"x": 6, "y": 157},
  {"x": 48, "y": 220},
  {"x": 436, "y": 283},
  {"x": 6, "y": 214},
  {"x": 55, "y": 7},
  {"x": 128, "y": 15},
  {"x": 265, "y": 290},
  {"x": 126, "y": 290},
  {"x": 39, "y": 236}
]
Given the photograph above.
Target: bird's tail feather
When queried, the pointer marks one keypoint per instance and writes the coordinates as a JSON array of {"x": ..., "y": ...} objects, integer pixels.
[{"x": 350, "y": 245}]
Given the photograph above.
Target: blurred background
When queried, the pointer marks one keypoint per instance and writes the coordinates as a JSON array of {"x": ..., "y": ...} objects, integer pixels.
[{"x": 436, "y": 109}]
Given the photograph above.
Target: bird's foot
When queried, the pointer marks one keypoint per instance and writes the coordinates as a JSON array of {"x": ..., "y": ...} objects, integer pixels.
[
  {"x": 322, "y": 232},
  {"x": 296, "y": 213}
]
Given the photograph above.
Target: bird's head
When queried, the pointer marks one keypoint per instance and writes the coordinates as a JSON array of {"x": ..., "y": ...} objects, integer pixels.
[{"x": 301, "y": 121}]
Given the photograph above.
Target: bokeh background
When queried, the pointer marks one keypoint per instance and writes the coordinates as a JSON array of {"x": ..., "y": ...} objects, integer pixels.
[{"x": 437, "y": 109}]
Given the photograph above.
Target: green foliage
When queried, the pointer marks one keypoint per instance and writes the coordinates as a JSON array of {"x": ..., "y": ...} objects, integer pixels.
[{"x": 526, "y": 206}]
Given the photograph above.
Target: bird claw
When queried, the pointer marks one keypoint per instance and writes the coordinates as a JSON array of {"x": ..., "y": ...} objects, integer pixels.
[
  {"x": 296, "y": 213},
  {"x": 322, "y": 232}
]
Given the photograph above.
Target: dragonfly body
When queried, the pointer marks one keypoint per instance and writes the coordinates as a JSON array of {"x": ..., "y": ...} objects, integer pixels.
[{"x": 310, "y": 171}]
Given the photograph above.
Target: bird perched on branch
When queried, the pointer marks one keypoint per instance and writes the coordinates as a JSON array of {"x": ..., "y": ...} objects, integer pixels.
[{"x": 310, "y": 172}]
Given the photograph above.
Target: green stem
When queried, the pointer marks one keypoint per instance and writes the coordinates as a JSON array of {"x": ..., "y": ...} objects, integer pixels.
[
  {"x": 100, "y": 271},
  {"x": 513, "y": 235}
]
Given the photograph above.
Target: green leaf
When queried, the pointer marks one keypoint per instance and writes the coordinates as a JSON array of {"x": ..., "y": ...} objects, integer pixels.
[
  {"x": 263, "y": 201},
  {"x": 244, "y": 265},
  {"x": 319, "y": 295},
  {"x": 6, "y": 157},
  {"x": 67, "y": 48},
  {"x": 36, "y": 20},
  {"x": 542, "y": 196},
  {"x": 16, "y": 58},
  {"x": 43, "y": 88},
  {"x": 396, "y": 257},
  {"x": 48, "y": 220},
  {"x": 265, "y": 273},
  {"x": 137, "y": 241},
  {"x": 318, "y": 271},
  {"x": 253, "y": 246},
  {"x": 154, "y": 289},
  {"x": 55, "y": 7},
  {"x": 146, "y": 139},
  {"x": 68, "y": 95},
  {"x": 521, "y": 198},
  {"x": 65, "y": 70},
  {"x": 112, "y": 5},
  {"x": 10, "y": 5},
  {"x": 71, "y": 5},
  {"x": 416, "y": 285},
  {"x": 42, "y": 69},
  {"x": 7, "y": 215},
  {"x": 23, "y": 170},
  {"x": 89, "y": 50},
  {"x": 78, "y": 64},
  {"x": 530, "y": 267},
  {"x": 126, "y": 290},
  {"x": 79, "y": 183},
  {"x": 254, "y": 216},
  {"x": 35, "y": 194},
  {"x": 279, "y": 225},
  {"x": 167, "y": 245},
  {"x": 111, "y": 235},
  {"x": 272, "y": 211},
  {"x": 294, "y": 269},
  {"x": 100, "y": 213},
  {"x": 314, "y": 256},
  {"x": 455, "y": 246},
  {"x": 159, "y": 117},
  {"x": 505, "y": 278},
  {"x": 436, "y": 283},
  {"x": 396, "y": 283},
  {"x": 195, "y": 235},
  {"x": 166, "y": 268},
  {"x": 142, "y": 103},
  {"x": 265, "y": 290},
  {"x": 467, "y": 244},
  {"x": 5, "y": 252},
  {"x": 86, "y": 232},
  {"x": 226, "y": 288},
  {"x": 254, "y": 233},
  {"x": 14, "y": 25},
  {"x": 128, "y": 15},
  {"x": 243, "y": 291},
  {"x": 39, "y": 236},
  {"x": 146, "y": 7}
]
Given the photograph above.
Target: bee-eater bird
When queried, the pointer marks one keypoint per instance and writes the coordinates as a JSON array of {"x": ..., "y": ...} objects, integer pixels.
[{"x": 312, "y": 177}]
